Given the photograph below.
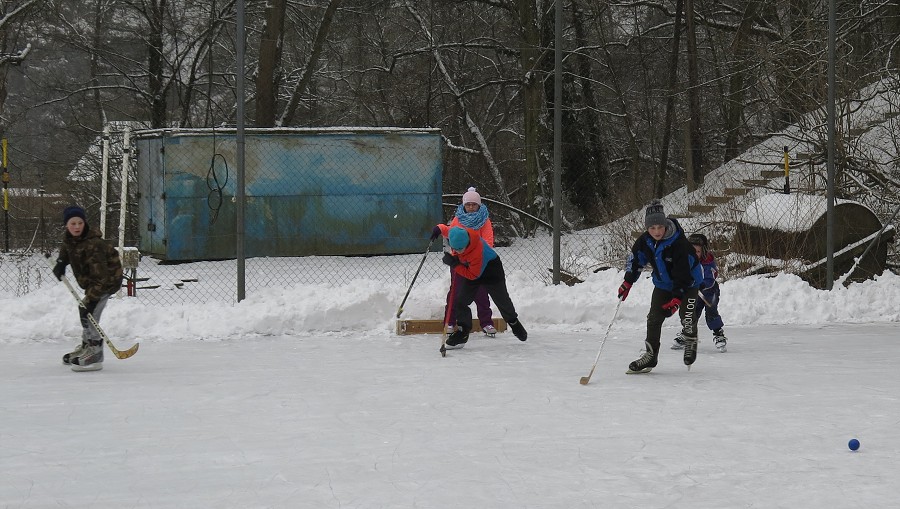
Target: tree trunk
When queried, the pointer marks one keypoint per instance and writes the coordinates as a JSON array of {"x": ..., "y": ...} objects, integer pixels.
[
  {"x": 157, "y": 88},
  {"x": 696, "y": 148},
  {"x": 4, "y": 70},
  {"x": 95, "y": 60},
  {"x": 596, "y": 150},
  {"x": 659, "y": 182},
  {"x": 532, "y": 96},
  {"x": 287, "y": 116},
  {"x": 735, "y": 103},
  {"x": 893, "y": 21},
  {"x": 269, "y": 68}
]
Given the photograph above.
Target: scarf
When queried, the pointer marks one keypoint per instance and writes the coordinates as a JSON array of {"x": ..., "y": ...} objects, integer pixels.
[{"x": 474, "y": 220}]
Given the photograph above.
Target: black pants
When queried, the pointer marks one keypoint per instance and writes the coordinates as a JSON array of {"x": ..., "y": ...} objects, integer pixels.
[
  {"x": 688, "y": 312},
  {"x": 494, "y": 279}
]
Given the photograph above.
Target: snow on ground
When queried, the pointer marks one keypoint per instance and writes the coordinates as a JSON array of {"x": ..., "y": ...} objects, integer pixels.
[{"x": 305, "y": 397}]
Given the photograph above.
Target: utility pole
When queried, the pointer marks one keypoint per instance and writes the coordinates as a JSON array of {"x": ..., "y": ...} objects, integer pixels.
[{"x": 5, "y": 196}]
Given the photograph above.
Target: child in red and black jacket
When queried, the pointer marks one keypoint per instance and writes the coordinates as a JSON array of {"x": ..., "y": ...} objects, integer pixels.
[{"x": 480, "y": 267}]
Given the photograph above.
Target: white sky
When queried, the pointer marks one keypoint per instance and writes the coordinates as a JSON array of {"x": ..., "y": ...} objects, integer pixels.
[{"x": 305, "y": 397}]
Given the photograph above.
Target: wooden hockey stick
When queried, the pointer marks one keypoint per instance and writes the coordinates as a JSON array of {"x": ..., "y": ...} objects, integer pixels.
[
  {"x": 447, "y": 315},
  {"x": 586, "y": 379},
  {"x": 120, "y": 354},
  {"x": 424, "y": 255}
]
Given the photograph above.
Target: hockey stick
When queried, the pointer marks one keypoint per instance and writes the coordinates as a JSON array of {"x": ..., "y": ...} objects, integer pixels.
[
  {"x": 424, "y": 255},
  {"x": 586, "y": 379},
  {"x": 447, "y": 316},
  {"x": 121, "y": 354},
  {"x": 700, "y": 294}
]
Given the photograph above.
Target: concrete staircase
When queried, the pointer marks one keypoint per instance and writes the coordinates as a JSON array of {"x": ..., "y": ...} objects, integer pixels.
[{"x": 728, "y": 190}]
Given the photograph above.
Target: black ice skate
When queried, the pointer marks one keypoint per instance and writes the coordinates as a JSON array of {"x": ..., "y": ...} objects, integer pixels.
[
  {"x": 518, "y": 330},
  {"x": 644, "y": 363},
  {"x": 690, "y": 350},
  {"x": 457, "y": 340}
]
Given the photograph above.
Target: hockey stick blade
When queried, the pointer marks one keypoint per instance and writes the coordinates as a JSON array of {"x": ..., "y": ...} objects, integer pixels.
[{"x": 124, "y": 354}]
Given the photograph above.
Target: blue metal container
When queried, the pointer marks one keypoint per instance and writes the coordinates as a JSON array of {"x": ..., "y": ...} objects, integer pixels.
[{"x": 336, "y": 191}]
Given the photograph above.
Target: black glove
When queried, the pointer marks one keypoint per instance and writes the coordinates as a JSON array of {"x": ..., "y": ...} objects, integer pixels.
[
  {"x": 450, "y": 260},
  {"x": 59, "y": 270},
  {"x": 435, "y": 232}
]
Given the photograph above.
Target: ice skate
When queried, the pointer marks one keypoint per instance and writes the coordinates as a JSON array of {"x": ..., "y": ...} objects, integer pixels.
[
  {"x": 67, "y": 358},
  {"x": 644, "y": 363},
  {"x": 489, "y": 330},
  {"x": 690, "y": 350},
  {"x": 457, "y": 340},
  {"x": 91, "y": 358},
  {"x": 518, "y": 330},
  {"x": 720, "y": 339},
  {"x": 678, "y": 343}
]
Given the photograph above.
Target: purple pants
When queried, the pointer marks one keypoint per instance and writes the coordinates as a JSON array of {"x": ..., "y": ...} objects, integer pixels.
[{"x": 482, "y": 302}]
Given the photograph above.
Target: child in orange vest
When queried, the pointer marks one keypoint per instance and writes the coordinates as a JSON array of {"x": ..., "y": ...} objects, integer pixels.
[{"x": 479, "y": 267}]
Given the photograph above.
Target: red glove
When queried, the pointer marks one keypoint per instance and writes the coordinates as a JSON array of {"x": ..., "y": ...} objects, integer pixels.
[
  {"x": 672, "y": 306},
  {"x": 624, "y": 289}
]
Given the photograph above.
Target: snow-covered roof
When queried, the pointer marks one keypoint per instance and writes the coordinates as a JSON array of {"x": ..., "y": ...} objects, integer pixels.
[
  {"x": 150, "y": 133},
  {"x": 30, "y": 192},
  {"x": 787, "y": 212}
]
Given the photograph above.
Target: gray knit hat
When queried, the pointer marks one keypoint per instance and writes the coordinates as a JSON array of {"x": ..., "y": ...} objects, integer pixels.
[{"x": 654, "y": 214}]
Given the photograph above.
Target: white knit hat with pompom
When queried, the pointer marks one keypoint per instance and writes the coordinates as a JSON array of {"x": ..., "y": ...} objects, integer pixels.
[{"x": 472, "y": 196}]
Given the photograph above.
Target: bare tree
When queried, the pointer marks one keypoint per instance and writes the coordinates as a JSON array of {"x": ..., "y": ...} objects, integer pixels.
[
  {"x": 12, "y": 50},
  {"x": 268, "y": 75},
  {"x": 659, "y": 181},
  {"x": 287, "y": 116}
]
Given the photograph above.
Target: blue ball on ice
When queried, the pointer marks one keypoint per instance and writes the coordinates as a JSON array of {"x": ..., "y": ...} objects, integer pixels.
[{"x": 853, "y": 444}]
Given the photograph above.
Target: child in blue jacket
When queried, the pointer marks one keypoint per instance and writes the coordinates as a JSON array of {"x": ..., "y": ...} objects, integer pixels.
[
  {"x": 709, "y": 293},
  {"x": 676, "y": 278}
]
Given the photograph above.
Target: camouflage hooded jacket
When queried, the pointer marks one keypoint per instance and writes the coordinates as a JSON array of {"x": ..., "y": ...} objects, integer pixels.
[{"x": 94, "y": 262}]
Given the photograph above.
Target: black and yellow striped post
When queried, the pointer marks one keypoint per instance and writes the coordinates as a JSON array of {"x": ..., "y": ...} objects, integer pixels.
[
  {"x": 5, "y": 196},
  {"x": 787, "y": 171}
]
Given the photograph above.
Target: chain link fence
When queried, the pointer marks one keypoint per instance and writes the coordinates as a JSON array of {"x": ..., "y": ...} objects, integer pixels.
[{"x": 323, "y": 206}]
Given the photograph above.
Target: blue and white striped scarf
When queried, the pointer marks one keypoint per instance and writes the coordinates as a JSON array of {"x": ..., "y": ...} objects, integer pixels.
[{"x": 473, "y": 220}]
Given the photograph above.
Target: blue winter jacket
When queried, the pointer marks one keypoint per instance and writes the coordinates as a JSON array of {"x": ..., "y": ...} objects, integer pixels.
[{"x": 674, "y": 263}]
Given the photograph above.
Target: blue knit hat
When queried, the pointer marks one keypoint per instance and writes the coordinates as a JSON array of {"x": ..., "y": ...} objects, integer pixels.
[
  {"x": 458, "y": 238},
  {"x": 73, "y": 211}
]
